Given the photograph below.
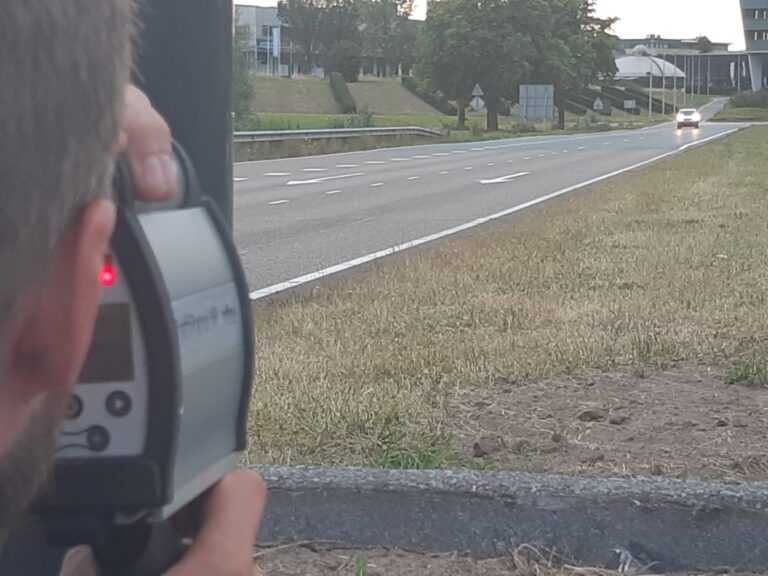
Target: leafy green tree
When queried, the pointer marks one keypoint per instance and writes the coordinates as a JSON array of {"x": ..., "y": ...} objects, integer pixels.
[
  {"x": 343, "y": 57},
  {"x": 339, "y": 38},
  {"x": 303, "y": 20},
  {"x": 573, "y": 49},
  {"x": 499, "y": 44},
  {"x": 704, "y": 44},
  {"x": 484, "y": 42},
  {"x": 242, "y": 81},
  {"x": 388, "y": 33}
]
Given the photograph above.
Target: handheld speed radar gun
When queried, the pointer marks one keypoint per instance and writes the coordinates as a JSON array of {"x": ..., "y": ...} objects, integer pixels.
[{"x": 159, "y": 412}]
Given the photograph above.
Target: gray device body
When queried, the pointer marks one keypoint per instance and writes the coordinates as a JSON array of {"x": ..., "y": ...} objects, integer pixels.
[{"x": 159, "y": 412}]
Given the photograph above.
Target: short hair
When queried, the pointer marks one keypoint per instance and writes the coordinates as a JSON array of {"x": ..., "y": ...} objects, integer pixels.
[{"x": 64, "y": 66}]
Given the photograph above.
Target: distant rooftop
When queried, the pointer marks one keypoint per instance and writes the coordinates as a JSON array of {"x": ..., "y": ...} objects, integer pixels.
[{"x": 658, "y": 45}]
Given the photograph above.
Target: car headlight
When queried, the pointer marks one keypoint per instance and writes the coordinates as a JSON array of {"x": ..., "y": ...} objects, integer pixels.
[
  {"x": 680, "y": 118},
  {"x": 697, "y": 117}
]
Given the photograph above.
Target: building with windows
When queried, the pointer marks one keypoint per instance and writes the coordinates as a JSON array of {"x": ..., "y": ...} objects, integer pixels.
[
  {"x": 267, "y": 50},
  {"x": 754, "y": 13},
  {"x": 657, "y": 45},
  {"x": 708, "y": 67}
]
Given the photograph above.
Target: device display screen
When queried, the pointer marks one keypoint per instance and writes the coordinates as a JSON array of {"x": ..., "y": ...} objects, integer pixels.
[{"x": 110, "y": 358}]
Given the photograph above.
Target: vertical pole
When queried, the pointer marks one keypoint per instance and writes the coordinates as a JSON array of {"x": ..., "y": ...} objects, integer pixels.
[
  {"x": 663, "y": 85},
  {"x": 280, "y": 54},
  {"x": 185, "y": 67},
  {"x": 709, "y": 74},
  {"x": 698, "y": 83},
  {"x": 650, "y": 90},
  {"x": 674, "y": 88}
]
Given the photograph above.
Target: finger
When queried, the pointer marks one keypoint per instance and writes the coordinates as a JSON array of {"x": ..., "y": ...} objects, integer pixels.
[
  {"x": 148, "y": 147},
  {"x": 225, "y": 542}
]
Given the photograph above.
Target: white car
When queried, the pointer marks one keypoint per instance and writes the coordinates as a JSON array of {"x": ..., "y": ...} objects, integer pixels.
[{"x": 688, "y": 117}]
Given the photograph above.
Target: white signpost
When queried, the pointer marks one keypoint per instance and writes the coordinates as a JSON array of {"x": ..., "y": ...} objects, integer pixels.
[
  {"x": 629, "y": 105},
  {"x": 598, "y": 106},
  {"x": 477, "y": 103}
]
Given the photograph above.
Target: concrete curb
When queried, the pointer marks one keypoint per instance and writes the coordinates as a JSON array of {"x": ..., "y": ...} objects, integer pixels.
[{"x": 674, "y": 525}]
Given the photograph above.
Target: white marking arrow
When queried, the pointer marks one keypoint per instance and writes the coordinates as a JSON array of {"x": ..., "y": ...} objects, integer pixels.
[
  {"x": 504, "y": 178},
  {"x": 324, "y": 179}
]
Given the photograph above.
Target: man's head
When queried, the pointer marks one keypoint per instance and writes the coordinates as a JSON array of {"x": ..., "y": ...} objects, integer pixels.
[{"x": 65, "y": 66}]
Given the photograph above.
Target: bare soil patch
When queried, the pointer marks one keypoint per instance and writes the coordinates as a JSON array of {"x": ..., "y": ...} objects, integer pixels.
[
  {"x": 314, "y": 560},
  {"x": 681, "y": 422}
]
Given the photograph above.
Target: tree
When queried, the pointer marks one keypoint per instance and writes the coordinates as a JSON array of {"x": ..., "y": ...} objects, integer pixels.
[
  {"x": 242, "y": 82},
  {"x": 573, "y": 49},
  {"x": 704, "y": 44},
  {"x": 303, "y": 27},
  {"x": 388, "y": 33},
  {"x": 485, "y": 42},
  {"x": 339, "y": 38},
  {"x": 343, "y": 57},
  {"x": 499, "y": 44}
]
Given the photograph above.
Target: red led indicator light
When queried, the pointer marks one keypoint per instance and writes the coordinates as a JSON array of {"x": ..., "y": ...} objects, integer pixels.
[{"x": 107, "y": 276}]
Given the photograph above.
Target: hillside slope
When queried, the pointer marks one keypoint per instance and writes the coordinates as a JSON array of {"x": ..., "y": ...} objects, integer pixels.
[
  {"x": 304, "y": 94},
  {"x": 387, "y": 96}
]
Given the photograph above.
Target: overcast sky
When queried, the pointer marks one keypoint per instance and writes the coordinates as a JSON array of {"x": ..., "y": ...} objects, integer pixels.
[{"x": 720, "y": 20}]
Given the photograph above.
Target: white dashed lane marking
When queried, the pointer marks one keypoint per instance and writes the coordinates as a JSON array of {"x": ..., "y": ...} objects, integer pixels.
[
  {"x": 504, "y": 179},
  {"x": 323, "y": 179}
]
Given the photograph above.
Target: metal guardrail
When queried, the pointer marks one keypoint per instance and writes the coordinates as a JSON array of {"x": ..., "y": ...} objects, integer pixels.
[{"x": 281, "y": 135}]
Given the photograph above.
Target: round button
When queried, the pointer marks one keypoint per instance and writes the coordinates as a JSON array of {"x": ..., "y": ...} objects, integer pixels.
[
  {"x": 74, "y": 407},
  {"x": 97, "y": 438},
  {"x": 119, "y": 404}
]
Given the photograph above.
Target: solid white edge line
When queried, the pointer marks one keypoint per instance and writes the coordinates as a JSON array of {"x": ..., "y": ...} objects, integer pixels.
[{"x": 313, "y": 276}]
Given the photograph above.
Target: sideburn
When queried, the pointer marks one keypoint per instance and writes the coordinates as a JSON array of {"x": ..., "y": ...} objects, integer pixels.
[{"x": 25, "y": 468}]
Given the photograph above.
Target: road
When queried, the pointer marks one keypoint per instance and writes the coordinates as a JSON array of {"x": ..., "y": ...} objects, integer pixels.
[{"x": 303, "y": 218}]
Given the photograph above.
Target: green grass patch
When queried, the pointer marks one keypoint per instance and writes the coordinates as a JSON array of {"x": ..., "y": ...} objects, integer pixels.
[
  {"x": 742, "y": 115},
  {"x": 361, "y": 565},
  {"x": 395, "y": 450},
  {"x": 754, "y": 375}
]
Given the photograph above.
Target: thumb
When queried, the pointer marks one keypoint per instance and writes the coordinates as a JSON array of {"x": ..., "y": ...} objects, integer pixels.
[{"x": 225, "y": 542}]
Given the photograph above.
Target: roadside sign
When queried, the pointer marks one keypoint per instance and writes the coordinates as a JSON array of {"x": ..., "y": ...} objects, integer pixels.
[
  {"x": 276, "y": 41},
  {"x": 477, "y": 91},
  {"x": 630, "y": 104},
  {"x": 477, "y": 103},
  {"x": 598, "y": 106},
  {"x": 537, "y": 102}
]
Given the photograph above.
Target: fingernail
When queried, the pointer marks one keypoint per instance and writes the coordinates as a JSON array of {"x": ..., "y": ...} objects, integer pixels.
[
  {"x": 153, "y": 177},
  {"x": 171, "y": 176}
]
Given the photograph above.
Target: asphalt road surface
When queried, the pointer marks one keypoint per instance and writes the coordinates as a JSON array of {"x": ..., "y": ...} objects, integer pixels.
[{"x": 300, "y": 219}]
